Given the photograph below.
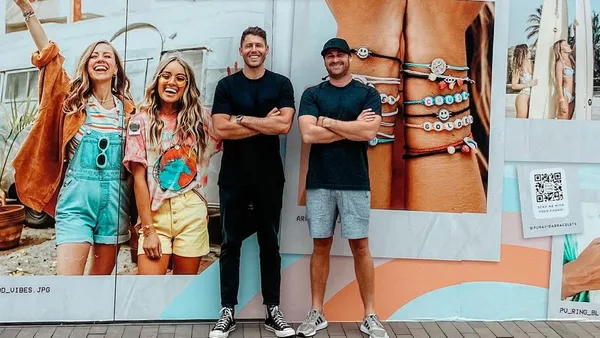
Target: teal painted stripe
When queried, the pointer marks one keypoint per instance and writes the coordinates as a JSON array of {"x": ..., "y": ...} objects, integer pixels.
[
  {"x": 510, "y": 195},
  {"x": 477, "y": 301},
  {"x": 202, "y": 298}
]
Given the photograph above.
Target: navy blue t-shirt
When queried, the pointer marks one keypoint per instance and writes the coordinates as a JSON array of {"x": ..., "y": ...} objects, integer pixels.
[
  {"x": 340, "y": 165},
  {"x": 255, "y": 159}
]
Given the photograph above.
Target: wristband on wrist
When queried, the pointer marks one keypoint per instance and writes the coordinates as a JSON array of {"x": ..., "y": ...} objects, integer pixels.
[
  {"x": 28, "y": 14},
  {"x": 466, "y": 145}
]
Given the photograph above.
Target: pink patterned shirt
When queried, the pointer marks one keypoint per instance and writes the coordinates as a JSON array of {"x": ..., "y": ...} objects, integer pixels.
[{"x": 176, "y": 167}]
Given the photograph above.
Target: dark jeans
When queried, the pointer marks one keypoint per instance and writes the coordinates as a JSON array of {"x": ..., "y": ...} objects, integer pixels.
[{"x": 267, "y": 202}]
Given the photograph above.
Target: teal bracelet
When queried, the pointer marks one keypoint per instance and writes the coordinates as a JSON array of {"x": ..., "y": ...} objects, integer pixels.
[
  {"x": 438, "y": 66},
  {"x": 441, "y": 100}
]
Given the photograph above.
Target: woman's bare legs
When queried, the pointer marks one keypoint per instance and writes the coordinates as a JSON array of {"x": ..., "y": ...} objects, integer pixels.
[
  {"x": 71, "y": 258},
  {"x": 147, "y": 266},
  {"x": 186, "y": 265},
  {"x": 443, "y": 183},
  {"x": 376, "y": 24},
  {"x": 522, "y": 106},
  {"x": 103, "y": 260}
]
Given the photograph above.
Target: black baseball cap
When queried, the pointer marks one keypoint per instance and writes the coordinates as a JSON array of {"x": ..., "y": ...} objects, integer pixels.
[{"x": 338, "y": 43}]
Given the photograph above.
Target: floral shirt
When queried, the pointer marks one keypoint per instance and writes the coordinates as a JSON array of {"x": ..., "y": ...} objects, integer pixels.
[{"x": 176, "y": 167}]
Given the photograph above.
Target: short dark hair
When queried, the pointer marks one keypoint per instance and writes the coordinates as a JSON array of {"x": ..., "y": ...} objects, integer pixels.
[{"x": 253, "y": 31}]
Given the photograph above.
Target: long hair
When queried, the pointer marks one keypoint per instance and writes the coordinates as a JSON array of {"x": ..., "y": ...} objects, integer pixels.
[
  {"x": 480, "y": 37},
  {"x": 519, "y": 56},
  {"x": 80, "y": 88},
  {"x": 557, "y": 56},
  {"x": 189, "y": 115}
]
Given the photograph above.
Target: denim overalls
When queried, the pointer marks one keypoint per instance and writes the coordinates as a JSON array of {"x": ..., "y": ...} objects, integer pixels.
[{"x": 93, "y": 202}]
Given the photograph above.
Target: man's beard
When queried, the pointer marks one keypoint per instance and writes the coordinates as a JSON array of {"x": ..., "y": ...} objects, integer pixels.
[{"x": 340, "y": 75}]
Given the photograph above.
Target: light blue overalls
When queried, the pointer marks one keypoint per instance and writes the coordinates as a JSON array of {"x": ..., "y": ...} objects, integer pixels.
[{"x": 93, "y": 202}]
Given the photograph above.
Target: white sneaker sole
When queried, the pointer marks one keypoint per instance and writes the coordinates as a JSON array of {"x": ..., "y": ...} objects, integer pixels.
[
  {"x": 364, "y": 330},
  {"x": 321, "y": 326},
  {"x": 218, "y": 334},
  {"x": 281, "y": 334}
]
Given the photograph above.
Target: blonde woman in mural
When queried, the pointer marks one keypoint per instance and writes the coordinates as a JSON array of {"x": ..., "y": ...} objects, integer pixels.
[
  {"x": 522, "y": 79},
  {"x": 564, "y": 77},
  {"x": 169, "y": 146},
  {"x": 70, "y": 164}
]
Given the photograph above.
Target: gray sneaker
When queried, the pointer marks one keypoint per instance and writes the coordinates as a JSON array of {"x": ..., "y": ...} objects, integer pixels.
[
  {"x": 373, "y": 327},
  {"x": 313, "y": 322}
]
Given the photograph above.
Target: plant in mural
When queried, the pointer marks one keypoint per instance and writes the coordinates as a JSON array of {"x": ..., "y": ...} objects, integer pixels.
[
  {"x": 16, "y": 119},
  {"x": 534, "y": 27}
]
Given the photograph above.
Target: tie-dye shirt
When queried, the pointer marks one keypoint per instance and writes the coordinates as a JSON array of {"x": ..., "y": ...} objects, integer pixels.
[
  {"x": 176, "y": 167},
  {"x": 99, "y": 119}
]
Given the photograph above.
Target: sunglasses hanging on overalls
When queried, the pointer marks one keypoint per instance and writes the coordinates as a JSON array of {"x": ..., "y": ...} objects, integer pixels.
[{"x": 101, "y": 158}]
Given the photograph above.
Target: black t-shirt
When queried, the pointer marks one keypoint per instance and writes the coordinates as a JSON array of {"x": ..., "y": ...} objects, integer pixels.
[
  {"x": 340, "y": 165},
  {"x": 255, "y": 159}
]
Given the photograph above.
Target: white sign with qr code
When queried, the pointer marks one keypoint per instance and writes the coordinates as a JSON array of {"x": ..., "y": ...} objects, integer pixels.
[
  {"x": 549, "y": 193},
  {"x": 550, "y": 199}
]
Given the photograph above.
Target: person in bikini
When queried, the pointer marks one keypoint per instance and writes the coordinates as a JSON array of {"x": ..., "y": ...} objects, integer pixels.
[
  {"x": 564, "y": 72},
  {"x": 522, "y": 79}
]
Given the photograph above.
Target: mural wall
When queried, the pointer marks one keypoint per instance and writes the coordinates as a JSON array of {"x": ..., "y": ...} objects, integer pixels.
[{"x": 505, "y": 229}]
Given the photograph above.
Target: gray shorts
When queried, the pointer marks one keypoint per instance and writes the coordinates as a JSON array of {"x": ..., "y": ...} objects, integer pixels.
[{"x": 323, "y": 207}]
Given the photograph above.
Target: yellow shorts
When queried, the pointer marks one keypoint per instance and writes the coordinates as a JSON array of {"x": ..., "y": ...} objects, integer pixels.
[{"x": 182, "y": 226}]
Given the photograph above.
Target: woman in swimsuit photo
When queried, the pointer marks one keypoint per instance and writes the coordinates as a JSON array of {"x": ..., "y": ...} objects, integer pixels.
[
  {"x": 522, "y": 79},
  {"x": 564, "y": 76}
]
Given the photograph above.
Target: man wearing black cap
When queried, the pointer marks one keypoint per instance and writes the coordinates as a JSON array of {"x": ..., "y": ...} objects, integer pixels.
[{"x": 338, "y": 118}]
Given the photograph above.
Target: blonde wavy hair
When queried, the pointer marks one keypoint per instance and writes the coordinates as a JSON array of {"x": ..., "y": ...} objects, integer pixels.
[
  {"x": 189, "y": 116},
  {"x": 519, "y": 57},
  {"x": 80, "y": 87},
  {"x": 557, "y": 50}
]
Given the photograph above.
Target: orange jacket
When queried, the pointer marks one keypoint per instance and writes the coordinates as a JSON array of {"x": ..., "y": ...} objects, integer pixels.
[{"x": 40, "y": 163}]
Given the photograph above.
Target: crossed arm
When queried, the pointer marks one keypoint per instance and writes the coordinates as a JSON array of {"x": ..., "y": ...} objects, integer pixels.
[
  {"x": 328, "y": 130},
  {"x": 277, "y": 122}
]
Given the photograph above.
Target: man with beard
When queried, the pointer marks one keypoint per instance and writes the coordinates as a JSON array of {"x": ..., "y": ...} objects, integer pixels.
[
  {"x": 250, "y": 110},
  {"x": 337, "y": 118}
]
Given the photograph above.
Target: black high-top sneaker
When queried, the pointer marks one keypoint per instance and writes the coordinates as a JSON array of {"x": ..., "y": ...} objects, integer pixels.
[
  {"x": 225, "y": 324},
  {"x": 276, "y": 323}
]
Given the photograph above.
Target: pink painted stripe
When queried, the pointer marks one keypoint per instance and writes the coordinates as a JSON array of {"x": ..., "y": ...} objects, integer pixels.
[
  {"x": 512, "y": 233},
  {"x": 295, "y": 287}
]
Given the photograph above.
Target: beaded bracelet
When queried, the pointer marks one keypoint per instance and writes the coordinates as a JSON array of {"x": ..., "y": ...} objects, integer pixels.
[
  {"x": 440, "y": 100},
  {"x": 27, "y": 15},
  {"x": 466, "y": 145},
  {"x": 447, "y": 81},
  {"x": 364, "y": 52},
  {"x": 437, "y": 66},
  {"x": 388, "y": 139},
  {"x": 439, "y": 126},
  {"x": 389, "y": 99},
  {"x": 442, "y": 114}
]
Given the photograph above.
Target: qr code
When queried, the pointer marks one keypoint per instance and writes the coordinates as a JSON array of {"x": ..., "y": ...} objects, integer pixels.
[{"x": 548, "y": 187}]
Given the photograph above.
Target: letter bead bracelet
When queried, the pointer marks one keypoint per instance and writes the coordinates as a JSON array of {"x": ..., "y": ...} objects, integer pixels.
[
  {"x": 440, "y": 126},
  {"x": 441, "y": 100}
]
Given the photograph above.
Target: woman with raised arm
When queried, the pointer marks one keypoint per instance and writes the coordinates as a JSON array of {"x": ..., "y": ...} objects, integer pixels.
[
  {"x": 70, "y": 164},
  {"x": 169, "y": 146}
]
